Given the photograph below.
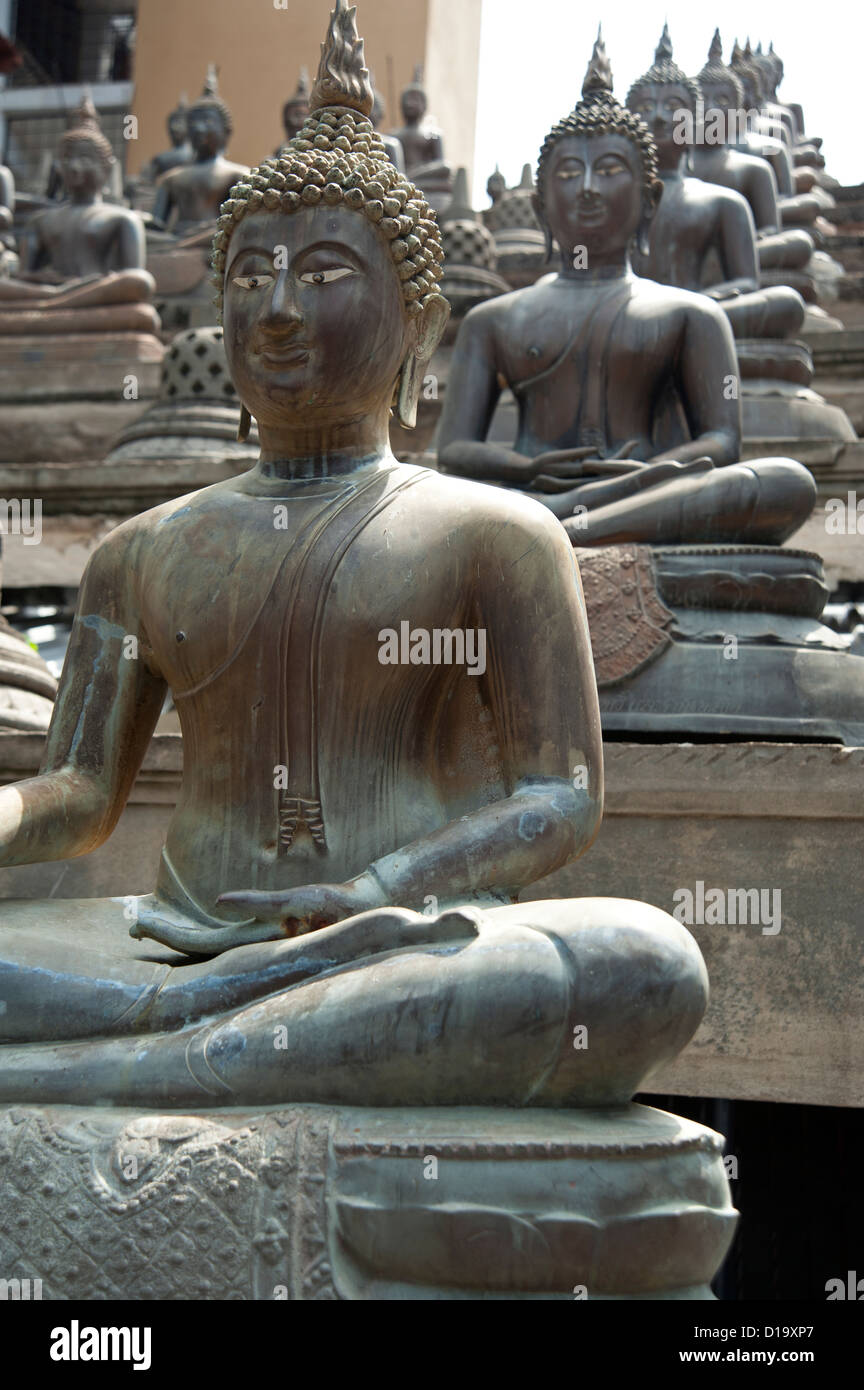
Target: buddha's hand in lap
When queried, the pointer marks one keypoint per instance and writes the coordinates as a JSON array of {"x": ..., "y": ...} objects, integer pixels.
[
  {"x": 272, "y": 916},
  {"x": 305, "y": 909}
]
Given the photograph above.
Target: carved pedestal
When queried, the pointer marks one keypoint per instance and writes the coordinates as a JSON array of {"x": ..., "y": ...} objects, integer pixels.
[{"x": 315, "y": 1202}]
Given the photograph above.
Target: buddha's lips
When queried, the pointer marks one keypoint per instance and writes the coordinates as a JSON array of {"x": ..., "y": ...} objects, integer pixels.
[{"x": 283, "y": 354}]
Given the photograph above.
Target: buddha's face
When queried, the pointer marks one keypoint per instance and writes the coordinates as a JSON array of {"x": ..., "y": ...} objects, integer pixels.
[
  {"x": 82, "y": 168},
  {"x": 413, "y": 106},
  {"x": 593, "y": 192},
  {"x": 207, "y": 133},
  {"x": 496, "y": 187},
  {"x": 719, "y": 96},
  {"x": 177, "y": 128},
  {"x": 660, "y": 105},
  {"x": 294, "y": 115},
  {"x": 315, "y": 327}
]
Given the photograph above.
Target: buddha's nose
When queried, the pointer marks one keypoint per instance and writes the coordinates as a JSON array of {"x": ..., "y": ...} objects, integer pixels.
[{"x": 283, "y": 311}]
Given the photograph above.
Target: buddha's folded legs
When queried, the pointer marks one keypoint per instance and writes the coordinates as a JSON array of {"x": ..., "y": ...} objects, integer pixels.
[
  {"x": 776, "y": 312},
  {"x": 758, "y": 503},
  {"x": 118, "y": 287},
  {"x": 789, "y": 250},
  {"x": 551, "y": 1003}
]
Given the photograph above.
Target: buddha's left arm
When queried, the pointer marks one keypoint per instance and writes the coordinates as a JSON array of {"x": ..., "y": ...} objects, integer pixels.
[
  {"x": 131, "y": 251},
  {"x": 540, "y": 689},
  {"x": 708, "y": 386}
]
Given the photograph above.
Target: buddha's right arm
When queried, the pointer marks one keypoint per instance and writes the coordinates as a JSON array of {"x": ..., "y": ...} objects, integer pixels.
[
  {"x": 162, "y": 202},
  {"x": 472, "y": 395},
  {"x": 763, "y": 198},
  {"x": 106, "y": 709},
  {"x": 740, "y": 260}
]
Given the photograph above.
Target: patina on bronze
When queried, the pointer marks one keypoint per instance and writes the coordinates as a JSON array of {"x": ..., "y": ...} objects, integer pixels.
[
  {"x": 190, "y": 196},
  {"x": 591, "y": 355},
  {"x": 329, "y": 796}
]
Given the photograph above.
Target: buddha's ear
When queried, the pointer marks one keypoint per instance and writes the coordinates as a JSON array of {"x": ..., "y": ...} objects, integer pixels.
[
  {"x": 429, "y": 327},
  {"x": 539, "y": 214},
  {"x": 650, "y": 204}
]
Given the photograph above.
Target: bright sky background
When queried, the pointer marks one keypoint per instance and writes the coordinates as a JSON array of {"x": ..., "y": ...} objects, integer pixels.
[{"x": 534, "y": 54}]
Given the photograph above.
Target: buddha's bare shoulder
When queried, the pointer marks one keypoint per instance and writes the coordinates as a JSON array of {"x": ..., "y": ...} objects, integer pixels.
[
  {"x": 497, "y": 519},
  {"x": 689, "y": 305},
  {"x": 143, "y": 535}
]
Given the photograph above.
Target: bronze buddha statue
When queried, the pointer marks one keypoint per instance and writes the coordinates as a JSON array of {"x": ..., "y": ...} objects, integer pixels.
[
  {"x": 180, "y": 151},
  {"x": 629, "y": 419},
  {"x": 82, "y": 262},
  {"x": 329, "y": 795},
  {"x": 189, "y": 197},
  {"x": 423, "y": 145},
  {"x": 296, "y": 109}
]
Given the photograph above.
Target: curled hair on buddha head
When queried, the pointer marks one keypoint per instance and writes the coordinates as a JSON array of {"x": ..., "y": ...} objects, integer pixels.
[
  {"x": 598, "y": 113},
  {"x": 210, "y": 100},
  {"x": 715, "y": 70},
  {"x": 84, "y": 129},
  {"x": 664, "y": 72},
  {"x": 339, "y": 158}
]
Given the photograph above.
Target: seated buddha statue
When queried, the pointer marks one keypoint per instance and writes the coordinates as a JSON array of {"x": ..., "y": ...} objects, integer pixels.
[
  {"x": 180, "y": 151},
  {"x": 702, "y": 230},
  {"x": 592, "y": 355},
  {"x": 296, "y": 109},
  {"x": 718, "y": 161},
  {"x": 423, "y": 145},
  {"x": 189, "y": 197},
  {"x": 331, "y": 789},
  {"x": 81, "y": 261}
]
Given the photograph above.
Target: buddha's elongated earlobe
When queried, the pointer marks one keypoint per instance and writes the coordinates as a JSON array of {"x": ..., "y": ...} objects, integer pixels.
[
  {"x": 244, "y": 426},
  {"x": 408, "y": 391},
  {"x": 431, "y": 325}
]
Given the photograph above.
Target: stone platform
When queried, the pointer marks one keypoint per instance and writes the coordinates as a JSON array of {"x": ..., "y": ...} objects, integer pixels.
[
  {"x": 321, "y": 1203},
  {"x": 65, "y": 398},
  {"x": 838, "y": 359},
  {"x": 786, "y": 1017}
]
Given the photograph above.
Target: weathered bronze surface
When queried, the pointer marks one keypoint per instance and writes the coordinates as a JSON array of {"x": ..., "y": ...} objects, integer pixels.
[
  {"x": 191, "y": 195},
  {"x": 629, "y": 418},
  {"x": 358, "y": 830}
]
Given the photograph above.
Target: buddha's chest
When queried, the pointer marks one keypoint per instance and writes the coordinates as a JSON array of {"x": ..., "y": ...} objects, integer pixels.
[
  {"x": 201, "y": 186},
  {"x": 77, "y": 237},
  {"x": 587, "y": 354},
  {"x": 256, "y": 607}
]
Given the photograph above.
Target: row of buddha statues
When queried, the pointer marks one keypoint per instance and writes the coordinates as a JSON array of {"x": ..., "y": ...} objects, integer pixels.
[{"x": 647, "y": 335}]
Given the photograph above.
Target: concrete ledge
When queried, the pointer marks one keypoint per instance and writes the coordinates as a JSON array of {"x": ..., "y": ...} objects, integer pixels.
[{"x": 786, "y": 1017}]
